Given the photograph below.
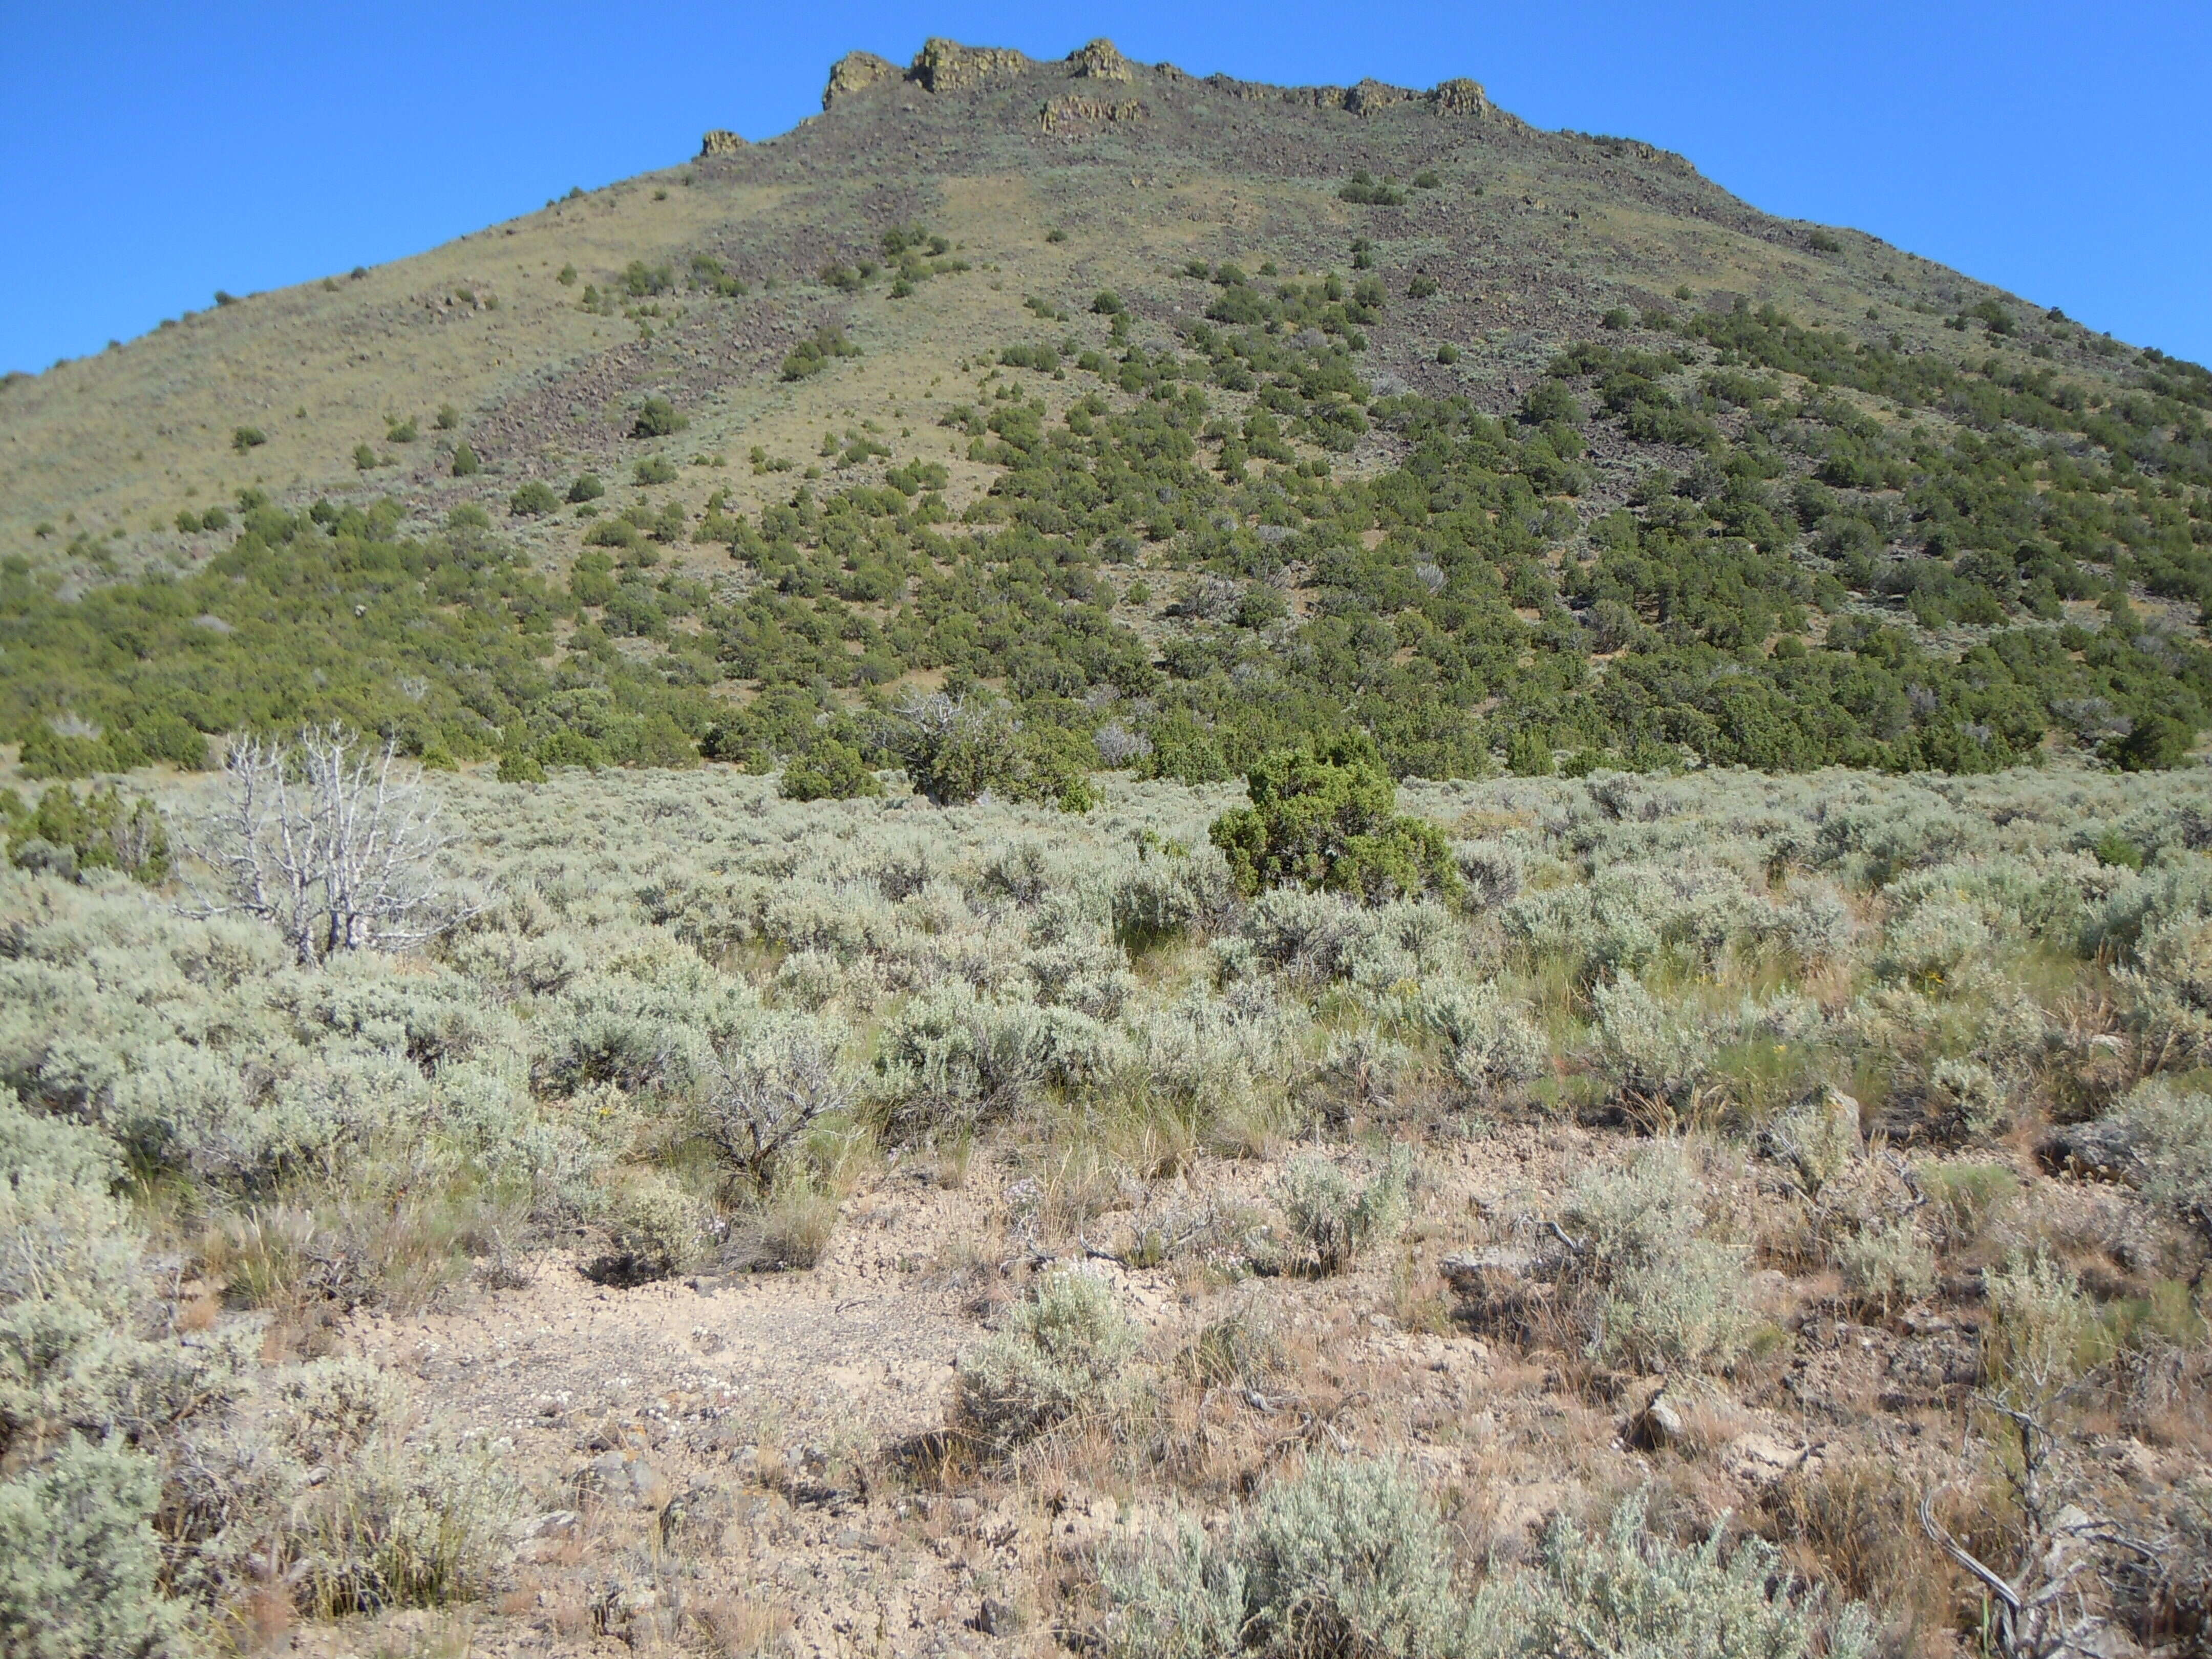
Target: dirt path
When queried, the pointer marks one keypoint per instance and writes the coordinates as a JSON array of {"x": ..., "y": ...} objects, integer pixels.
[{"x": 698, "y": 1447}]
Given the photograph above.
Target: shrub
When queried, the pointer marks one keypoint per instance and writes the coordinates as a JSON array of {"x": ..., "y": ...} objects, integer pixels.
[
  {"x": 1647, "y": 1287},
  {"x": 71, "y": 834},
  {"x": 951, "y": 1056},
  {"x": 1820, "y": 1137},
  {"x": 2161, "y": 1137},
  {"x": 954, "y": 749},
  {"x": 466, "y": 465},
  {"x": 2171, "y": 985},
  {"x": 1651, "y": 1055},
  {"x": 764, "y": 1096},
  {"x": 1963, "y": 1197},
  {"x": 1364, "y": 190},
  {"x": 813, "y": 354},
  {"x": 2155, "y": 743},
  {"x": 80, "y": 1565},
  {"x": 533, "y": 501},
  {"x": 1325, "y": 819},
  {"x": 2043, "y": 1332},
  {"x": 1493, "y": 1043},
  {"x": 247, "y": 437},
  {"x": 334, "y": 850},
  {"x": 654, "y": 469},
  {"x": 1966, "y": 1095},
  {"x": 657, "y": 418},
  {"x": 654, "y": 1228},
  {"x": 1062, "y": 1352},
  {"x": 408, "y": 1515},
  {"x": 1348, "y": 1557},
  {"x": 1328, "y": 1225},
  {"x": 1107, "y": 303},
  {"x": 1632, "y": 1592},
  {"x": 1887, "y": 1263},
  {"x": 587, "y": 486},
  {"x": 1926, "y": 946},
  {"x": 828, "y": 770}
]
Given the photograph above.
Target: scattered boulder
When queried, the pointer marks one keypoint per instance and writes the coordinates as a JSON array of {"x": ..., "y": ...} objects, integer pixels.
[
  {"x": 1757, "y": 1459},
  {"x": 720, "y": 141},
  {"x": 1657, "y": 1425}
]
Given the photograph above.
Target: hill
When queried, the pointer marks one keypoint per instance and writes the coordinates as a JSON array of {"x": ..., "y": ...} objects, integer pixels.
[
  {"x": 1092, "y": 380},
  {"x": 957, "y": 1044}
]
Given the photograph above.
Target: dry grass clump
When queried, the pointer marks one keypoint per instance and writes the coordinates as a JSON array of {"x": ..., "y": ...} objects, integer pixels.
[{"x": 404, "y": 1514}]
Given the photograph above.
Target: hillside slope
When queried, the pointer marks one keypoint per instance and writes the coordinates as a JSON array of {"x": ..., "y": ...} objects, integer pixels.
[
  {"x": 1563, "y": 227},
  {"x": 1325, "y": 294}
]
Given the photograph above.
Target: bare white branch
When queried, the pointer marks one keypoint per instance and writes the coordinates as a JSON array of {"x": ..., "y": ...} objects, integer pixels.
[{"x": 336, "y": 846}]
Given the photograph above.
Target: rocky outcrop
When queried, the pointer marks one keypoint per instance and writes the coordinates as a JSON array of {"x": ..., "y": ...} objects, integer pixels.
[
  {"x": 1060, "y": 113},
  {"x": 1370, "y": 95},
  {"x": 722, "y": 142},
  {"x": 1459, "y": 97},
  {"x": 947, "y": 66},
  {"x": 854, "y": 72},
  {"x": 1101, "y": 60},
  {"x": 943, "y": 65}
]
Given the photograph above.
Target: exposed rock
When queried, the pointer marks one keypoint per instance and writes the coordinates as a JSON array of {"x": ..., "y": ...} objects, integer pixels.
[
  {"x": 997, "y": 1618},
  {"x": 1760, "y": 1460},
  {"x": 1460, "y": 96},
  {"x": 1071, "y": 111},
  {"x": 854, "y": 72},
  {"x": 720, "y": 141},
  {"x": 1371, "y": 95},
  {"x": 944, "y": 65},
  {"x": 2109, "y": 1149},
  {"x": 1656, "y": 1425},
  {"x": 1471, "y": 1272},
  {"x": 1101, "y": 60}
]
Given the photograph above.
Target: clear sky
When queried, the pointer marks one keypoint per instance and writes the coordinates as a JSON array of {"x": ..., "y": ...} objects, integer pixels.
[{"x": 150, "y": 153}]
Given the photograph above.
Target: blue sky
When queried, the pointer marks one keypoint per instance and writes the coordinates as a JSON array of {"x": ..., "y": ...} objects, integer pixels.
[{"x": 151, "y": 153}]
